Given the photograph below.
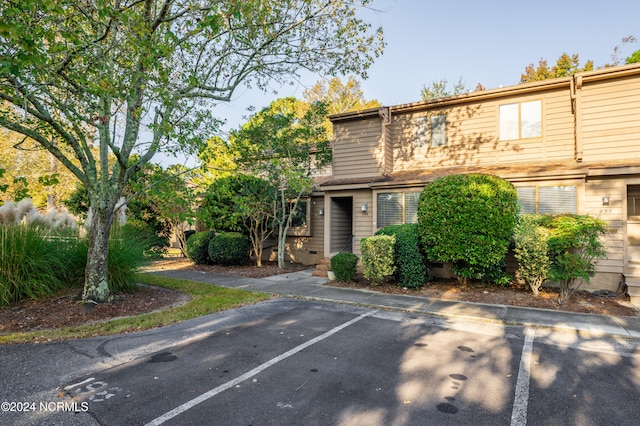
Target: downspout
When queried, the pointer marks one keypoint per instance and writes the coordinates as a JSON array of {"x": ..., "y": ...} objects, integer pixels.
[
  {"x": 576, "y": 103},
  {"x": 387, "y": 151}
]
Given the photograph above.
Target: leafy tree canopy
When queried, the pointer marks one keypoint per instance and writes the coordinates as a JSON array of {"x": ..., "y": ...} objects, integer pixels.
[
  {"x": 566, "y": 65},
  {"x": 442, "y": 89},
  {"x": 339, "y": 97},
  {"x": 286, "y": 144},
  {"x": 129, "y": 76}
]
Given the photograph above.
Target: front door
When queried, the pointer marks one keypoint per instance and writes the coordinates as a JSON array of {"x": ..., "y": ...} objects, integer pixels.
[{"x": 341, "y": 224}]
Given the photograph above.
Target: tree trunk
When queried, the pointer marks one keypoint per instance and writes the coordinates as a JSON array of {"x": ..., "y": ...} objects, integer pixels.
[
  {"x": 282, "y": 237},
  {"x": 96, "y": 283}
]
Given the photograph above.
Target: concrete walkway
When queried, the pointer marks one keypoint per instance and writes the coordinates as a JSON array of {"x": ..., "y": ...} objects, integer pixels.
[{"x": 303, "y": 285}]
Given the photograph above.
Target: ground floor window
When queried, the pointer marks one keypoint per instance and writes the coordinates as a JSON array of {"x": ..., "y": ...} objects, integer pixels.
[
  {"x": 547, "y": 199},
  {"x": 397, "y": 208}
]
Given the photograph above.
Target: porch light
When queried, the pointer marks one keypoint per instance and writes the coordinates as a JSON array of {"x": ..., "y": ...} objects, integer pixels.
[
  {"x": 605, "y": 200},
  {"x": 321, "y": 211},
  {"x": 363, "y": 207}
]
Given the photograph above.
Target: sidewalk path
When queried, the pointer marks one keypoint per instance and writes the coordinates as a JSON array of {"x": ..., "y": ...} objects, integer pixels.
[{"x": 303, "y": 285}]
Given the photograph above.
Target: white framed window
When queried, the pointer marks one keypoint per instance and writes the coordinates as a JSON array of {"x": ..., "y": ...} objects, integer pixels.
[
  {"x": 430, "y": 130},
  {"x": 397, "y": 208},
  {"x": 548, "y": 199},
  {"x": 521, "y": 120}
]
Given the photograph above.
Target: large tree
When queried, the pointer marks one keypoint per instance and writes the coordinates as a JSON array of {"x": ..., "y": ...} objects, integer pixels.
[
  {"x": 286, "y": 144},
  {"x": 133, "y": 76}
]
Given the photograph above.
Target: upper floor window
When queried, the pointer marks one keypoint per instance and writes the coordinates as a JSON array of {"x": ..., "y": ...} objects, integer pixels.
[
  {"x": 521, "y": 120},
  {"x": 430, "y": 130},
  {"x": 397, "y": 208},
  {"x": 547, "y": 199}
]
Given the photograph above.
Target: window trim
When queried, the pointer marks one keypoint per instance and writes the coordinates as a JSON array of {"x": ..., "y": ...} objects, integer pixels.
[
  {"x": 305, "y": 230},
  {"x": 519, "y": 121},
  {"x": 549, "y": 184},
  {"x": 403, "y": 204},
  {"x": 423, "y": 130}
]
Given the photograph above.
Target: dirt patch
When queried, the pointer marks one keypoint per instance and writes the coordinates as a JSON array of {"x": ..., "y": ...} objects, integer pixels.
[
  {"x": 268, "y": 269},
  {"x": 601, "y": 303},
  {"x": 66, "y": 310}
]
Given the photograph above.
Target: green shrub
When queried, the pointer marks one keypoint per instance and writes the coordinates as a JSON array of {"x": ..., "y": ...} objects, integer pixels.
[
  {"x": 408, "y": 257},
  {"x": 574, "y": 246},
  {"x": 32, "y": 263},
  {"x": 468, "y": 220},
  {"x": 344, "y": 266},
  {"x": 198, "y": 247},
  {"x": 154, "y": 246},
  {"x": 531, "y": 251},
  {"x": 128, "y": 246},
  {"x": 229, "y": 248},
  {"x": 377, "y": 257}
]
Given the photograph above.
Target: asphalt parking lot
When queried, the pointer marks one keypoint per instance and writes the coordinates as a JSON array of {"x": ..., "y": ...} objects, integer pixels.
[{"x": 290, "y": 361}]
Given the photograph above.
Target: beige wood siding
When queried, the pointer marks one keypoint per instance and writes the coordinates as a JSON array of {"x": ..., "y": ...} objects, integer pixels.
[
  {"x": 309, "y": 250},
  {"x": 358, "y": 151},
  {"x": 363, "y": 223},
  {"x": 611, "y": 119},
  {"x": 472, "y": 135},
  {"x": 612, "y": 214}
]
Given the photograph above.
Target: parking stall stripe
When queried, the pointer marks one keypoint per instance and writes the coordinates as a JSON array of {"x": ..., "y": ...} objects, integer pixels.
[
  {"x": 521, "y": 400},
  {"x": 213, "y": 392}
]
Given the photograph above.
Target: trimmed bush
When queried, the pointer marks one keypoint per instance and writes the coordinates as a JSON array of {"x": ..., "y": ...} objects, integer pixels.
[
  {"x": 229, "y": 248},
  {"x": 343, "y": 266},
  {"x": 530, "y": 251},
  {"x": 574, "y": 246},
  {"x": 377, "y": 257},
  {"x": 468, "y": 220},
  {"x": 198, "y": 247},
  {"x": 408, "y": 258}
]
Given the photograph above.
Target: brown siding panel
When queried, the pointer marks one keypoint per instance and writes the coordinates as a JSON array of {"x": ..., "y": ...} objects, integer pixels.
[
  {"x": 357, "y": 150},
  {"x": 611, "y": 119},
  {"x": 472, "y": 135}
]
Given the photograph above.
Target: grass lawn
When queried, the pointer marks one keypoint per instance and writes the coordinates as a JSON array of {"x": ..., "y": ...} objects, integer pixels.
[{"x": 205, "y": 299}]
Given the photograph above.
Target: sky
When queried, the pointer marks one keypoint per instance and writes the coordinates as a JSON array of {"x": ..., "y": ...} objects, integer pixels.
[{"x": 479, "y": 41}]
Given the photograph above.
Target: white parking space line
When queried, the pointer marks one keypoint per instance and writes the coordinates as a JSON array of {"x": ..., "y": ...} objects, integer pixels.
[
  {"x": 213, "y": 392},
  {"x": 521, "y": 400}
]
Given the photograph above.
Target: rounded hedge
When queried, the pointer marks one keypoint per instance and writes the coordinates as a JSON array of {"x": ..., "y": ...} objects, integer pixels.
[
  {"x": 229, "y": 248},
  {"x": 468, "y": 220},
  {"x": 198, "y": 247},
  {"x": 343, "y": 265}
]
